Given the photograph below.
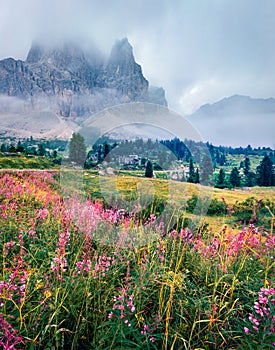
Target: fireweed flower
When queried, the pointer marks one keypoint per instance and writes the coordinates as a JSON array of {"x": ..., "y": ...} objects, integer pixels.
[
  {"x": 263, "y": 318},
  {"x": 124, "y": 302},
  {"x": 123, "y": 305},
  {"x": 59, "y": 263},
  {"x": 8, "y": 335},
  {"x": 149, "y": 330}
]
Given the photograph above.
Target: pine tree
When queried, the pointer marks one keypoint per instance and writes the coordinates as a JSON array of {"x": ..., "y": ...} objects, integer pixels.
[
  {"x": 192, "y": 175},
  {"x": 77, "y": 149},
  {"x": 41, "y": 150},
  {"x": 19, "y": 147},
  {"x": 99, "y": 153},
  {"x": 12, "y": 149},
  {"x": 206, "y": 169},
  {"x": 149, "y": 169},
  {"x": 197, "y": 176},
  {"x": 106, "y": 150},
  {"x": 246, "y": 166},
  {"x": 221, "y": 179},
  {"x": 265, "y": 175},
  {"x": 3, "y": 148},
  {"x": 235, "y": 179},
  {"x": 250, "y": 179}
]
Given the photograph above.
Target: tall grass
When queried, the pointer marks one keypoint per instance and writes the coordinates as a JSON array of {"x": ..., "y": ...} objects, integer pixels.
[{"x": 73, "y": 277}]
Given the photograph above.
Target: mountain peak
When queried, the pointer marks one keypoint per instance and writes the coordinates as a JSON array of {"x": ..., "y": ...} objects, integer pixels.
[
  {"x": 75, "y": 81},
  {"x": 122, "y": 69},
  {"x": 35, "y": 53},
  {"x": 66, "y": 55},
  {"x": 121, "y": 56},
  {"x": 122, "y": 45}
]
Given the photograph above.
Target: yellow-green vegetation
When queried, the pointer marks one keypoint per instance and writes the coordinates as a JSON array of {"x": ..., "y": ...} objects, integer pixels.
[
  {"x": 129, "y": 188},
  {"x": 233, "y": 195},
  {"x": 176, "y": 189},
  {"x": 236, "y": 159},
  {"x": 22, "y": 162}
]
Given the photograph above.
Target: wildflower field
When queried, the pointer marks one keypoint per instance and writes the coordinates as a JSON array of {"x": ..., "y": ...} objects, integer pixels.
[{"x": 72, "y": 276}]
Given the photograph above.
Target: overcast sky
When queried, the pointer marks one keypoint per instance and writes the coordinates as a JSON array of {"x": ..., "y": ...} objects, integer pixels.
[{"x": 199, "y": 51}]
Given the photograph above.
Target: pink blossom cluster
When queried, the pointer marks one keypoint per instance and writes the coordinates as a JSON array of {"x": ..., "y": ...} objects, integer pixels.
[
  {"x": 102, "y": 265},
  {"x": 86, "y": 215},
  {"x": 211, "y": 251},
  {"x": 15, "y": 285},
  {"x": 8, "y": 246},
  {"x": 160, "y": 251},
  {"x": 59, "y": 263},
  {"x": 31, "y": 183},
  {"x": 98, "y": 266},
  {"x": 249, "y": 238},
  {"x": 42, "y": 214},
  {"x": 151, "y": 220},
  {"x": 263, "y": 318},
  {"x": 185, "y": 235},
  {"x": 230, "y": 245},
  {"x": 124, "y": 304},
  {"x": 149, "y": 330},
  {"x": 8, "y": 335},
  {"x": 113, "y": 216}
]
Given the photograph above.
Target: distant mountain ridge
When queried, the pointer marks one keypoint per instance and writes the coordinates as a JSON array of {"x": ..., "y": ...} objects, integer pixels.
[
  {"x": 237, "y": 121},
  {"x": 238, "y": 103},
  {"x": 75, "y": 83}
]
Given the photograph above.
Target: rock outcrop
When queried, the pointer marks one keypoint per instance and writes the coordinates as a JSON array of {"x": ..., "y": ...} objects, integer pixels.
[{"x": 73, "y": 84}]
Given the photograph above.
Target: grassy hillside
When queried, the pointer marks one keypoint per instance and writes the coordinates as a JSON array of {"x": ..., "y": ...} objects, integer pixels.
[{"x": 158, "y": 195}]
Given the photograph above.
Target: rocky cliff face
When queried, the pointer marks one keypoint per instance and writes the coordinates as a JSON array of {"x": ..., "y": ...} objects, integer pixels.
[{"x": 75, "y": 84}]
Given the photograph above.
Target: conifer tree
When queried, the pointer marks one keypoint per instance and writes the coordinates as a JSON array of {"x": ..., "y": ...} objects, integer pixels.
[
  {"x": 246, "y": 166},
  {"x": 206, "y": 169},
  {"x": 221, "y": 179},
  {"x": 197, "y": 176},
  {"x": 106, "y": 150},
  {"x": 192, "y": 175},
  {"x": 41, "y": 150},
  {"x": 77, "y": 149},
  {"x": 235, "y": 179},
  {"x": 265, "y": 175},
  {"x": 149, "y": 169}
]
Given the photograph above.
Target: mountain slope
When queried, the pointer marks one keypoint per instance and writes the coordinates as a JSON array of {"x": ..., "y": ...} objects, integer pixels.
[{"x": 237, "y": 121}]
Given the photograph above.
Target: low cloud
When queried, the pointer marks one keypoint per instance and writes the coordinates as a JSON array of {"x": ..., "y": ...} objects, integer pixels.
[{"x": 198, "y": 51}]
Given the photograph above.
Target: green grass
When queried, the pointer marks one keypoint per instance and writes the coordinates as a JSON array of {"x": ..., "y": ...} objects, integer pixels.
[
  {"x": 22, "y": 162},
  {"x": 129, "y": 190}
]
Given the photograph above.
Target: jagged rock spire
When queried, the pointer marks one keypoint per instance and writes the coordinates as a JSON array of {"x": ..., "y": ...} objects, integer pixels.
[{"x": 78, "y": 84}]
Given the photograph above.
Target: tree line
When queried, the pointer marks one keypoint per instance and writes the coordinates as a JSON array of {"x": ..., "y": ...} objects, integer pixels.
[
  {"x": 164, "y": 152},
  {"x": 202, "y": 173}
]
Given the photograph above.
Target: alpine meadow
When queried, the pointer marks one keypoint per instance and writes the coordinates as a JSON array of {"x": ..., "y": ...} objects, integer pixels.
[{"x": 137, "y": 175}]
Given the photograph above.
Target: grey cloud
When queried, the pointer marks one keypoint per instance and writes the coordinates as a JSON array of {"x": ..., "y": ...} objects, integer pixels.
[{"x": 199, "y": 51}]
